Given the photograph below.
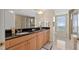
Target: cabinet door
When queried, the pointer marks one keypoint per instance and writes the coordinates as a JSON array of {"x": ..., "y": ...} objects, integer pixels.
[
  {"x": 19, "y": 47},
  {"x": 40, "y": 40},
  {"x": 47, "y": 36},
  {"x": 7, "y": 45},
  {"x": 26, "y": 45},
  {"x": 32, "y": 44},
  {"x": 44, "y": 37}
]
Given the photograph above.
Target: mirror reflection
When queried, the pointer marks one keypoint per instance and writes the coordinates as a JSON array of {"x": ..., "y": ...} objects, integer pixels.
[{"x": 22, "y": 22}]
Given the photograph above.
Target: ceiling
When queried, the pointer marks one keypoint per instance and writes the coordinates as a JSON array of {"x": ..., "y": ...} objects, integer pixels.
[
  {"x": 33, "y": 12},
  {"x": 61, "y": 11},
  {"x": 26, "y": 12}
]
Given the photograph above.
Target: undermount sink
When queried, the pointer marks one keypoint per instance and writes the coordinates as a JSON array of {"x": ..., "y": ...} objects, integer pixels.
[{"x": 22, "y": 33}]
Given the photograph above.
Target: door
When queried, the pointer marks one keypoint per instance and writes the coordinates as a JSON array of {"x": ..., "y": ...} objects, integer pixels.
[{"x": 61, "y": 31}]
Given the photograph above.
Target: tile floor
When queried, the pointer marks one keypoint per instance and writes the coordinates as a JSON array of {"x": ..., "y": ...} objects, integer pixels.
[{"x": 48, "y": 46}]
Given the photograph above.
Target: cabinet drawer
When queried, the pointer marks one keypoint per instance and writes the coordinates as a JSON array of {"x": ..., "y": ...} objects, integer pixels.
[
  {"x": 19, "y": 47},
  {"x": 15, "y": 41},
  {"x": 32, "y": 44}
]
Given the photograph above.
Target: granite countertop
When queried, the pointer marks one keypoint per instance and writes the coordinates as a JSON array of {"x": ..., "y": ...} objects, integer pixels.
[{"x": 16, "y": 36}]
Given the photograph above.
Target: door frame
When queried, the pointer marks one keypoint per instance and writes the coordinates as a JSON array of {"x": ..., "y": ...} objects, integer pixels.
[{"x": 75, "y": 42}]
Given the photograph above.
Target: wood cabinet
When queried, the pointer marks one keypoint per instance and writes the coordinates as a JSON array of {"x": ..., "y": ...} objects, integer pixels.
[
  {"x": 7, "y": 44},
  {"x": 46, "y": 36},
  {"x": 15, "y": 41},
  {"x": 32, "y": 44},
  {"x": 43, "y": 38},
  {"x": 21, "y": 46},
  {"x": 29, "y": 42},
  {"x": 39, "y": 40}
]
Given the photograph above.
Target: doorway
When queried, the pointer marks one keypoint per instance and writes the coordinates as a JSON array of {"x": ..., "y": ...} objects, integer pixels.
[{"x": 61, "y": 31}]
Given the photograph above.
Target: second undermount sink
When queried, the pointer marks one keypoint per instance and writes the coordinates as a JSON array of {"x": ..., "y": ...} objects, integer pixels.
[{"x": 22, "y": 33}]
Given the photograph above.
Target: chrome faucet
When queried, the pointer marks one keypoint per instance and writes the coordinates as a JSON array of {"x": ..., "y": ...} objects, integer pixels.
[{"x": 40, "y": 25}]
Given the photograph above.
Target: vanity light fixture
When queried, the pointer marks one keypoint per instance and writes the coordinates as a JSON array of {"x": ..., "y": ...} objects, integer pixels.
[
  {"x": 40, "y": 12},
  {"x": 11, "y": 11},
  {"x": 53, "y": 19}
]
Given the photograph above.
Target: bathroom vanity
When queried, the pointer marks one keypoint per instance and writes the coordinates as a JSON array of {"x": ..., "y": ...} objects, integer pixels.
[{"x": 28, "y": 39}]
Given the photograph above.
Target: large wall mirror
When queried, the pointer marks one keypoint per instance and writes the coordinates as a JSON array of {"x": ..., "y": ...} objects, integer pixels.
[{"x": 22, "y": 22}]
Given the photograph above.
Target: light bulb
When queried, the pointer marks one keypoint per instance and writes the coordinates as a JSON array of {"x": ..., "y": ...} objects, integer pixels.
[
  {"x": 11, "y": 12},
  {"x": 40, "y": 12}
]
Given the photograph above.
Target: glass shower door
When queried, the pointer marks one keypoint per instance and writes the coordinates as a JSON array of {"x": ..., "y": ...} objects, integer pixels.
[
  {"x": 75, "y": 32},
  {"x": 75, "y": 24},
  {"x": 61, "y": 31}
]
